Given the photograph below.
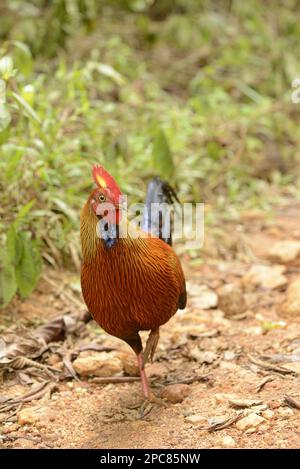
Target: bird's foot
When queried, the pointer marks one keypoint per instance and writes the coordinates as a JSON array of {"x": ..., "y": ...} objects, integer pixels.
[{"x": 149, "y": 403}]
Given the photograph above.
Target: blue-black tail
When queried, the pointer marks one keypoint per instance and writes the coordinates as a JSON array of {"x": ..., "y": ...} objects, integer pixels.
[{"x": 157, "y": 217}]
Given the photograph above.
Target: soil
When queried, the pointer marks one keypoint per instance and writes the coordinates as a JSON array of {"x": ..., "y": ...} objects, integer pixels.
[{"x": 214, "y": 355}]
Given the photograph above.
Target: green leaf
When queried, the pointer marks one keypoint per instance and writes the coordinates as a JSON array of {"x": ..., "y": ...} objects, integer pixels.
[
  {"x": 162, "y": 155},
  {"x": 23, "y": 211},
  {"x": 14, "y": 245},
  {"x": 21, "y": 101},
  {"x": 29, "y": 268},
  {"x": 65, "y": 209},
  {"x": 8, "y": 284}
]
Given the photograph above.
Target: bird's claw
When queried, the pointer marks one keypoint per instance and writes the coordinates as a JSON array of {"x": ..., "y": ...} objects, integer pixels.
[{"x": 149, "y": 403}]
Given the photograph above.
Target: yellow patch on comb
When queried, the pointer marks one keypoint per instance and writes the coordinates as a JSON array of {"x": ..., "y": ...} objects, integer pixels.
[{"x": 101, "y": 181}]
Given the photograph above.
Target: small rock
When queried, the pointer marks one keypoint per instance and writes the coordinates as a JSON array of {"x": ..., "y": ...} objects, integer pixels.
[
  {"x": 285, "y": 252},
  {"x": 203, "y": 356},
  {"x": 157, "y": 370},
  {"x": 251, "y": 420},
  {"x": 10, "y": 428},
  {"x": 250, "y": 430},
  {"x": 268, "y": 414},
  {"x": 229, "y": 355},
  {"x": 228, "y": 366},
  {"x": 28, "y": 415},
  {"x": 201, "y": 296},
  {"x": 243, "y": 403},
  {"x": 223, "y": 397},
  {"x": 292, "y": 304},
  {"x": 231, "y": 300},
  {"x": 285, "y": 412},
  {"x": 196, "y": 419},
  {"x": 98, "y": 364},
  {"x": 129, "y": 363},
  {"x": 23, "y": 443},
  {"x": 176, "y": 392},
  {"x": 274, "y": 404},
  {"x": 268, "y": 277},
  {"x": 227, "y": 442}
]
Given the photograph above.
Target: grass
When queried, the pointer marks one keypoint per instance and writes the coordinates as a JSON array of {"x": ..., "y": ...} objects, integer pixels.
[{"x": 199, "y": 92}]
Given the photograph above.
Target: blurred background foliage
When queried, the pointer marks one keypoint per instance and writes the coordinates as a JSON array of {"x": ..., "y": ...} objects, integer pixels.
[{"x": 196, "y": 90}]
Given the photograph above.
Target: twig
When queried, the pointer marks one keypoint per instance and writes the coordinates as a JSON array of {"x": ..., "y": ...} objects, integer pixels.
[
  {"x": 291, "y": 401},
  {"x": 193, "y": 379},
  {"x": 270, "y": 367},
  {"x": 260, "y": 385},
  {"x": 225, "y": 423},
  {"x": 115, "y": 379}
]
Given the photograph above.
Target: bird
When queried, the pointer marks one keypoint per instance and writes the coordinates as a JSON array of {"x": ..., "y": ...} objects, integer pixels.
[{"x": 131, "y": 278}]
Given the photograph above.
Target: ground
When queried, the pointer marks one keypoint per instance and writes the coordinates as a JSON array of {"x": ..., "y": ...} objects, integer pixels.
[{"x": 232, "y": 372}]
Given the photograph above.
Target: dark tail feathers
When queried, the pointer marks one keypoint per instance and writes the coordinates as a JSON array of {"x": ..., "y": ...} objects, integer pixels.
[{"x": 157, "y": 217}]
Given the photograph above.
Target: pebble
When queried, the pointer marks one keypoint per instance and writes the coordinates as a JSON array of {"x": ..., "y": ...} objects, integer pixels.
[
  {"x": 274, "y": 404},
  {"x": 285, "y": 412},
  {"x": 264, "y": 276},
  {"x": 98, "y": 364},
  {"x": 231, "y": 300},
  {"x": 251, "y": 420},
  {"x": 176, "y": 392},
  {"x": 227, "y": 442},
  {"x": 156, "y": 370},
  {"x": 195, "y": 419},
  {"x": 268, "y": 414},
  {"x": 285, "y": 252},
  {"x": 292, "y": 304},
  {"x": 23, "y": 443}
]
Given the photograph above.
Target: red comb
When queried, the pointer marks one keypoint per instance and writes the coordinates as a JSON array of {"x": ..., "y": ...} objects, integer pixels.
[{"x": 104, "y": 180}]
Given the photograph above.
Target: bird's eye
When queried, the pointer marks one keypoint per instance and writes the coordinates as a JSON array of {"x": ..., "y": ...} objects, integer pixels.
[{"x": 102, "y": 198}]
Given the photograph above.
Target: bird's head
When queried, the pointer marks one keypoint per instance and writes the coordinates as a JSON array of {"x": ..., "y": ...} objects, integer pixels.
[{"x": 106, "y": 198}]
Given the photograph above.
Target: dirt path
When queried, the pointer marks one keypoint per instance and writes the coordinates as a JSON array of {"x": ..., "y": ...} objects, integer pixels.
[{"x": 218, "y": 351}]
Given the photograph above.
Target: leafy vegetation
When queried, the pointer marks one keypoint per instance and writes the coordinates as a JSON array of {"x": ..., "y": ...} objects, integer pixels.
[{"x": 199, "y": 91}]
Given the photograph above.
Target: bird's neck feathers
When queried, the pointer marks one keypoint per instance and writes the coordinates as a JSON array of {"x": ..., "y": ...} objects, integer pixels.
[{"x": 93, "y": 245}]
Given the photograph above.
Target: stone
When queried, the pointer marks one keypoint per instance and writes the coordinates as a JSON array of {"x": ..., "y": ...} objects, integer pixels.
[
  {"x": 98, "y": 364},
  {"x": 292, "y": 304},
  {"x": 227, "y": 442},
  {"x": 195, "y": 419},
  {"x": 231, "y": 300},
  {"x": 285, "y": 412},
  {"x": 129, "y": 363},
  {"x": 203, "y": 356},
  {"x": 268, "y": 277},
  {"x": 268, "y": 414},
  {"x": 157, "y": 370},
  {"x": 274, "y": 404},
  {"x": 32, "y": 415},
  {"x": 224, "y": 397},
  {"x": 201, "y": 296},
  {"x": 176, "y": 392},
  {"x": 285, "y": 252},
  {"x": 23, "y": 443},
  {"x": 250, "y": 421}
]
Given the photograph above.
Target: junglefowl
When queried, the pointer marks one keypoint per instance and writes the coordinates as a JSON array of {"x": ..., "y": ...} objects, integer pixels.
[{"x": 134, "y": 282}]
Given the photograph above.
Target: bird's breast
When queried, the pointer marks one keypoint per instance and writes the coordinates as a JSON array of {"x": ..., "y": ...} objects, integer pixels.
[{"x": 130, "y": 287}]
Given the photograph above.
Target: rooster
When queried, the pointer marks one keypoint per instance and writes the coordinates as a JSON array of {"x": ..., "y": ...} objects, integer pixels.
[{"x": 132, "y": 282}]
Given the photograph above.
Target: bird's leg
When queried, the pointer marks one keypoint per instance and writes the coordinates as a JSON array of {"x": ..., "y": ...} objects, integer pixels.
[
  {"x": 151, "y": 345},
  {"x": 149, "y": 395}
]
